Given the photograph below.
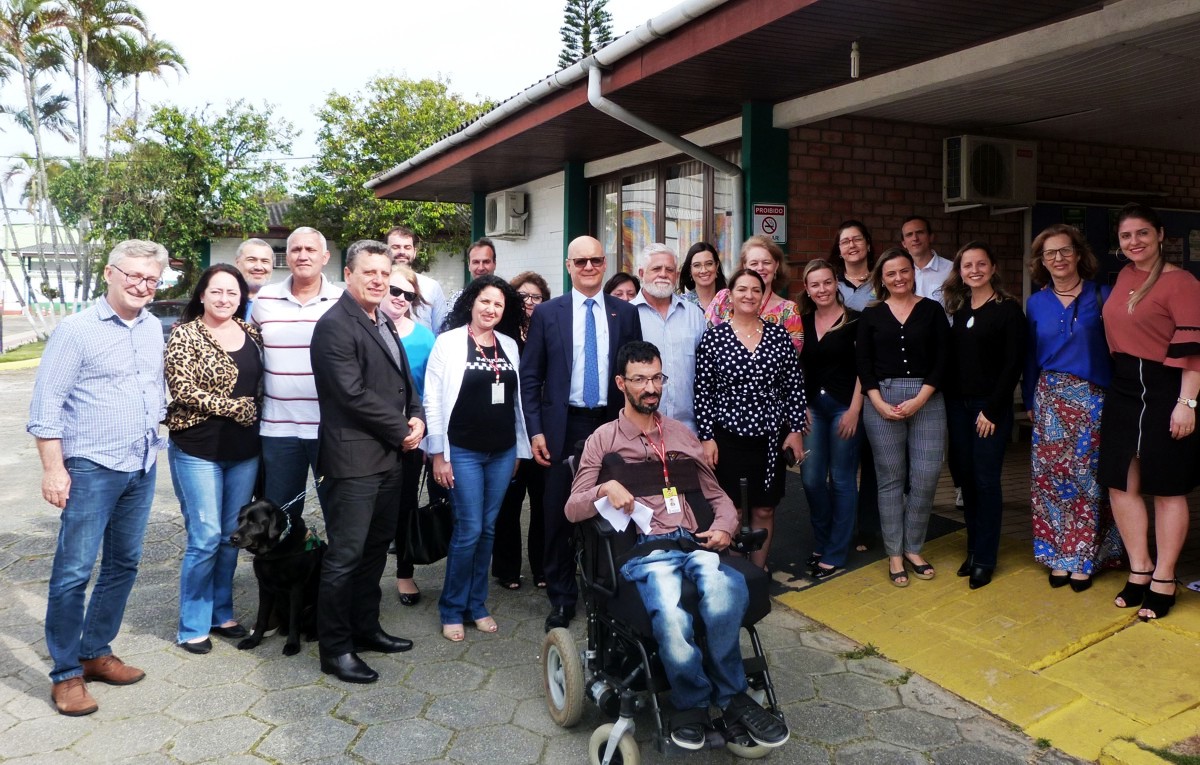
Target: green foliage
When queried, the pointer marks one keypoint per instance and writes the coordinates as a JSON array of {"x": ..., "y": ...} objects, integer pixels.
[
  {"x": 861, "y": 653},
  {"x": 24, "y": 352},
  {"x": 587, "y": 27},
  {"x": 1043, "y": 743},
  {"x": 185, "y": 177},
  {"x": 369, "y": 132}
]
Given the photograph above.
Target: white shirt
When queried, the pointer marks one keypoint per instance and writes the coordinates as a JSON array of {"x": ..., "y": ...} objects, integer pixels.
[
  {"x": 578, "y": 317},
  {"x": 931, "y": 278},
  {"x": 290, "y": 406},
  {"x": 433, "y": 313},
  {"x": 676, "y": 338}
]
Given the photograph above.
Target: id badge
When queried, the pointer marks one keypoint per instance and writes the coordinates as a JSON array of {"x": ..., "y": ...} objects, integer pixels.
[
  {"x": 671, "y": 496},
  {"x": 497, "y": 393}
]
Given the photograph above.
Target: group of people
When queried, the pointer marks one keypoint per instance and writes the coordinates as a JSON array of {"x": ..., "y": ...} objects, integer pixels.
[{"x": 883, "y": 362}]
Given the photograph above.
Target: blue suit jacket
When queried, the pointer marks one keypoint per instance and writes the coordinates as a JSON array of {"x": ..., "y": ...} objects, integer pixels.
[{"x": 546, "y": 366}]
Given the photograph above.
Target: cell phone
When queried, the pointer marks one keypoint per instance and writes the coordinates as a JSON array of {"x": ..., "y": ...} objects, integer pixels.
[{"x": 789, "y": 456}]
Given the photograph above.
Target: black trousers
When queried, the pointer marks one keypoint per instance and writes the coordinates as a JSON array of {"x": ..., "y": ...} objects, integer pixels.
[
  {"x": 506, "y": 552},
  {"x": 360, "y": 521},
  {"x": 561, "y": 587}
]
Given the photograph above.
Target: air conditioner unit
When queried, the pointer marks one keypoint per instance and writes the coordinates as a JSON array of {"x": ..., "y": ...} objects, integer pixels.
[
  {"x": 991, "y": 171},
  {"x": 505, "y": 214}
]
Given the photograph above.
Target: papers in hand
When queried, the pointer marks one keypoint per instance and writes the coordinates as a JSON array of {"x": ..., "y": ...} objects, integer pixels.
[{"x": 619, "y": 520}]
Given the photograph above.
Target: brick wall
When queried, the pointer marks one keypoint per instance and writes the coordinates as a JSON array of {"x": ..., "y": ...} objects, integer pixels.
[{"x": 881, "y": 172}]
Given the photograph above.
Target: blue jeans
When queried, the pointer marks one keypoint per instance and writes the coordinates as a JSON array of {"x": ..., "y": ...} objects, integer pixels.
[
  {"x": 830, "y": 475},
  {"x": 480, "y": 482},
  {"x": 109, "y": 508},
  {"x": 210, "y": 495},
  {"x": 286, "y": 461},
  {"x": 978, "y": 462},
  {"x": 696, "y": 680}
]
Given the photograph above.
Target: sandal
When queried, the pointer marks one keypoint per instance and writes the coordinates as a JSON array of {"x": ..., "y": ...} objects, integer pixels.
[
  {"x": 897, "y": 576},
  {"x": 486, "y": 624},
  {"x": 510, "y": 584},
  {"x": 1134, "y": 593},
  {"x": 921, "y": 570},
  {"x": 454, "y": 633},
  {"x": 1158, "y": 603}
]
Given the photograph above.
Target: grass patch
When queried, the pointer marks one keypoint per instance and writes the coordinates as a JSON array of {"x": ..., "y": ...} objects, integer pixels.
[
  {"x": 1168, "y": 755},
  {"x": 861, "y": 653},
  {"x": 24, "y": 352},
  {"x": 1043, "y": 743},
  {"x": 902, "y": 679}
]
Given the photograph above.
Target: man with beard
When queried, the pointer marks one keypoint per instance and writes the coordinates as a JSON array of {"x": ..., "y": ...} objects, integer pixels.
[
  {"x": 675, "y": 549},
  {"x": 671, "y": 323}
]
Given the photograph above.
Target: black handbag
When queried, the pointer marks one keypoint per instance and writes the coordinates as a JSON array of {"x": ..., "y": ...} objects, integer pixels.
[{"x": 430, "y": 526}]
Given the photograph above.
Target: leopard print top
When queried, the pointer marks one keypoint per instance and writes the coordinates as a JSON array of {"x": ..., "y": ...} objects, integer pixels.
[{"x": 201, "y": 375}]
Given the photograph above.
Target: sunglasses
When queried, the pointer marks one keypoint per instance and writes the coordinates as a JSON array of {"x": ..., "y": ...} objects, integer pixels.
[
  {"x": 397, "y": 292},
  {"x": 582, "y": 263}
]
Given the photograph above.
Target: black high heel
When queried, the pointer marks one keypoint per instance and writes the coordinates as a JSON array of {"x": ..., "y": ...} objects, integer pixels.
[
  {"x": 1059, "y": 581},
  {"x": 965, "y": 568},
  {"x": 1158, "y": 603},
  {"x": 1134, "y": 594}
]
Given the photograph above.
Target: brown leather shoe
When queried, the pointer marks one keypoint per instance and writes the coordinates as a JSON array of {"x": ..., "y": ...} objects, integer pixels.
[
  {"x": 109, "y": 669},
  {"x": 72, "y": 699}
]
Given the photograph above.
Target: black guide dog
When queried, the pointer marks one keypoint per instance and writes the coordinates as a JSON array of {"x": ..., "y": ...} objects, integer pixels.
[{"x": 287, "y": 564}]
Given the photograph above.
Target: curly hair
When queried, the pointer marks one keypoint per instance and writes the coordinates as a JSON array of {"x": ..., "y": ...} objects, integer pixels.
[
  {"x": 534, "y": 278},
  {"x": 514, "y": 311},
  {"x": 195, "y": 308},
  {"x": 955, "y": 291}
]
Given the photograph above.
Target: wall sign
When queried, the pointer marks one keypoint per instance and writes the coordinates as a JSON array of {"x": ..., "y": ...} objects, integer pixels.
[{"x": 771, "y": 221}]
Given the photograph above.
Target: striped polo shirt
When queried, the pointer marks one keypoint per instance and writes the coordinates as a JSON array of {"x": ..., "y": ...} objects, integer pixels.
[{"x": 290, "y": 402}]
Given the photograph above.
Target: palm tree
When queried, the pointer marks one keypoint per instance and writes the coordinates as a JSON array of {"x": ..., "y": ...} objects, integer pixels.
[{"x": 152, "y": 58}]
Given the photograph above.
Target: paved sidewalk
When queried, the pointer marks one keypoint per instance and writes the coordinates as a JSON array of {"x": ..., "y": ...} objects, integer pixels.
[{"x": 476, "y": 702}]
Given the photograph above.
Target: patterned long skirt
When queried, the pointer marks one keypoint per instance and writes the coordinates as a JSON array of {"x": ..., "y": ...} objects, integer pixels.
[{"x": 1073, "y": 528}]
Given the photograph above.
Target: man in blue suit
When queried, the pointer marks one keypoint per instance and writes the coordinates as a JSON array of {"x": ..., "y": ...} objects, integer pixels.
[{"x": 568, "y": 390}]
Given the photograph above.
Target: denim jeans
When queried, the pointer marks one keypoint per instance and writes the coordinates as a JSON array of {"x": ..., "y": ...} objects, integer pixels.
[
  {"x": 480, "y": 481},
  {"x": 109, "y": 508},
  {"x": 286, "y": 461},
  {"x": 210, "y": 495},
  {"x": 978, "y": 462},
  {"x": 696, "y": 680},
  {"x": 830, "y": 475}
]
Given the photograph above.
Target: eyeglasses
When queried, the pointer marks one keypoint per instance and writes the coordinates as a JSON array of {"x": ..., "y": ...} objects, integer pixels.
[
  {"x": 640, "y": 380},
  {"x": 1062, "y": 252},
  {"x": 530, "y": 297},
  {"x": 582, "y": 263},
  {"x": 851, "y": 240},
  {"x": 132, "y": 280},
  {"x": 397, "y": 292}
]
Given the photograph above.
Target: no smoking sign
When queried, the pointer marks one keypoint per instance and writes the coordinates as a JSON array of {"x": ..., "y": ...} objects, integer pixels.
[{"x": 771, "y": 221}]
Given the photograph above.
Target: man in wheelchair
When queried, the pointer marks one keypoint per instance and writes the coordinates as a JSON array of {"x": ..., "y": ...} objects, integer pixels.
[{"x": 660, "y": 465}]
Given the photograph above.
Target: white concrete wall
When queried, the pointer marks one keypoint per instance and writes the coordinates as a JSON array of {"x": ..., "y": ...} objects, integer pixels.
[
  {"x": 542, "y": 248},
  {"x": 225, "y": 251}
]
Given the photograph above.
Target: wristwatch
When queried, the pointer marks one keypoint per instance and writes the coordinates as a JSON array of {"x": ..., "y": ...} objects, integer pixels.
[{"x": 1190, "y": 403}]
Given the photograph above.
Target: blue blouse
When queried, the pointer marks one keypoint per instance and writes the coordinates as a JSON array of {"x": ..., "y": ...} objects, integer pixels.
[
  {"x": 418, "y": 344},
  {"x": 856, "y": 298},
  {"x": 1066, "y": 338}
]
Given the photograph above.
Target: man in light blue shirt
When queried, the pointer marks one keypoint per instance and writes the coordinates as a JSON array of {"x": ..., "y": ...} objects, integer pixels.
[
  {"x": 671, "y": 323},
  {"x": 97, "y": 402}
]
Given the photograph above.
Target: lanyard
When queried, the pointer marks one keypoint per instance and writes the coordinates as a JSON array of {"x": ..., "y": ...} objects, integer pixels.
[
  {"x": 494, "y": 363},
  {"x": 660, "y": 450}
]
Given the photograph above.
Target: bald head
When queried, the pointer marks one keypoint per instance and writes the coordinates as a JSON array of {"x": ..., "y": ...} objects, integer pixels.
[{"x": 585, "y": 264}]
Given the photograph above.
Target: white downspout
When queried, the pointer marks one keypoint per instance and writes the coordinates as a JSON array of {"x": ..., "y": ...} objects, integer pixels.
[{"x": 619, "y": 113}]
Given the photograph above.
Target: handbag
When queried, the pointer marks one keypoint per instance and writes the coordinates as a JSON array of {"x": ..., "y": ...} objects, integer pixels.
[{"x": 430, "y": 526}]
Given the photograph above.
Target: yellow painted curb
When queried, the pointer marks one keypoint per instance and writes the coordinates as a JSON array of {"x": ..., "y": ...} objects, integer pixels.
[
  {"x": 26, "y": 364},
  {"x": 1128, "y": 753}
]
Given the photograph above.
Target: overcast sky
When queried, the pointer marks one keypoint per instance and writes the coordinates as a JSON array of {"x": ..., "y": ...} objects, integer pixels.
[{"x": 293, "y": 54}]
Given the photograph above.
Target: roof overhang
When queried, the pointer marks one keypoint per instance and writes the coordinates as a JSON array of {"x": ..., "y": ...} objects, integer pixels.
[{"x": 1118, "y": 72}]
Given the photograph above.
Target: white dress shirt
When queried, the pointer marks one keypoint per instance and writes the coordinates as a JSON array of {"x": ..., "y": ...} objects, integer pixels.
[
  {"x": 578, "y": 317},
  {"x": 929, "y": 280}
]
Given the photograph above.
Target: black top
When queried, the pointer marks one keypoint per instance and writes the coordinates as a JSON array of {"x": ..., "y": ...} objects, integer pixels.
[
  {"x": 220, "y": 438},
  {"x": 475, "y": 422},
  {"x": 987, "y": 353},
  {"x": 829, "y": 363},
  {"x": 916, "y": 348}
]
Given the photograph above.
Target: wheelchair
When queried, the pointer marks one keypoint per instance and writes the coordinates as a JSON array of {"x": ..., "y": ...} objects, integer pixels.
[{"x": 620, "y": 670}]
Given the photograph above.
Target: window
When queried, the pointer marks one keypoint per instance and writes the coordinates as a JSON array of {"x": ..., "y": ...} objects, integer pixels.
[
  {"x": 678, "y": 202},
  {"x": 280, "y": 257}
]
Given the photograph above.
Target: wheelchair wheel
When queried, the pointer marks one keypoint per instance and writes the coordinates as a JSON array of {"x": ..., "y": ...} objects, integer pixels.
[
  {"x": 627, "y": 749},
  {"x": 562, "y": 677},
  {"x": 748, "y": 752}
]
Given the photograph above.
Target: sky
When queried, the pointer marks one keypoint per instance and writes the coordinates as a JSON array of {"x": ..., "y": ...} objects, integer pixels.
[{"x": 278, "y": 52}]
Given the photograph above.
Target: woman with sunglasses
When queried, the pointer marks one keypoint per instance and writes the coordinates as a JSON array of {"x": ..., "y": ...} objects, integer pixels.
[{"x": 404, "y": 297}]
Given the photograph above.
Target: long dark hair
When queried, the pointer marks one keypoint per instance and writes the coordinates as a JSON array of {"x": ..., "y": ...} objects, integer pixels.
[
  {"x": 835, "y": 251},
  {"x": 686, "y": 282},
  {"x": 514, "y": 311},
  {"x": 195, "y": 309}
]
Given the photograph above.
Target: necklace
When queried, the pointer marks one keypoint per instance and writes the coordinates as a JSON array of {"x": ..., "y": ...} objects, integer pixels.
[
  {"x": 859, "y": 279},
  {"x": 747, "y": 335},
  {"x": 1069, "y": 291},
  {"x": 982, "y": 303}
]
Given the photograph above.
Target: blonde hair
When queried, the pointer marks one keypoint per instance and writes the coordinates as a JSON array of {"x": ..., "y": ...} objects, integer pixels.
[
  {"x": 781, "y": 269},
  {"x": 411, "y": 276}
]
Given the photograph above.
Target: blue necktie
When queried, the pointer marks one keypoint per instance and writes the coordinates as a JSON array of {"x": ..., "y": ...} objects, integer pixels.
[{"x": 591, "y": 364}]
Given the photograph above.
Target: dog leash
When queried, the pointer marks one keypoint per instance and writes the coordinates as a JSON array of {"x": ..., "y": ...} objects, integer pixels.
[{"x": 302, "y": 495}]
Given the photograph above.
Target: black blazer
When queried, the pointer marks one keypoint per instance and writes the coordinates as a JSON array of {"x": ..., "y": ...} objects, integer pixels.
[
  {"x": 546, "y": 366},
  {"x": 366, "y": 399}
]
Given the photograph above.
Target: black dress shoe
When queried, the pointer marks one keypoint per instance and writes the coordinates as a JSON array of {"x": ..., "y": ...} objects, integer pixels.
[
  {"x": 821, "y": 573},
  {"x": 410, "y": 598},
  {"x": 382, "y": 642},
  {"x": 965, "y": 568},
  {"x": 981, "y": 576},
  {"x": 236, "y": 631},
  {"x": 204, "y": 646},
  {"x": 348, "y": 668},
  {"x": 560, "y": 616}
]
